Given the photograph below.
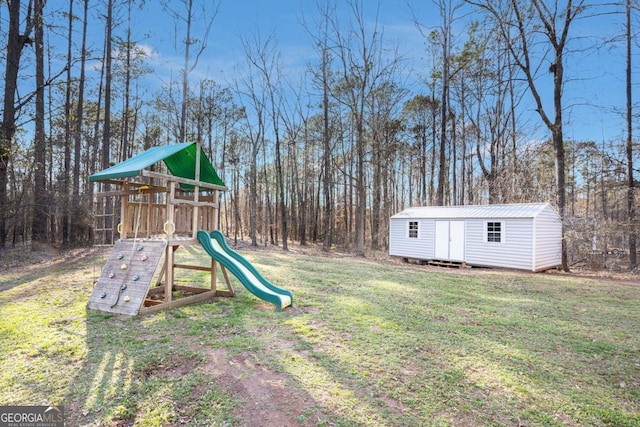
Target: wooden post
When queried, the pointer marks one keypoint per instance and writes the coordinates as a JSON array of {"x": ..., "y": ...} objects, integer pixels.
[
  {"x": 216, "y": 209},
  {"x": 168, "y": 283},
  {"x": 213, "y": 222},
  {"x": 170, "y": 210},
  {"x": 124, "y": 212},
  {"x": 196, "y": 195},
  {"x": 230, "y": 292},
  {"x": 213, "y": 274},
  {"x": 149, "y": 207},
  {"x": 169, "y": 258}
]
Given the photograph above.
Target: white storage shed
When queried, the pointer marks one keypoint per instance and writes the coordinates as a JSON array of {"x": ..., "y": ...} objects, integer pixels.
[{"x": 521, "y": 236}]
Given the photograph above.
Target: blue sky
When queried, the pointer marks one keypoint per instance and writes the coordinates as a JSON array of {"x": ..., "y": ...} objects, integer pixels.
[
  {"x": 595, "y": 87},
  {"x": 283, "y": 18}
]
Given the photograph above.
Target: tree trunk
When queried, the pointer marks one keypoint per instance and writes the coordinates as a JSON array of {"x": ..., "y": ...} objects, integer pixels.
[
  {"x": 106, "y": 131},
  {"x": 185, "y": 73},
  {"x": 40, "y": 205},
  {"x": 376, "y": 194},
  {"x": 279, "y": 172},
  {"x": 545, "y": 22},
  {"x": 327, "y": 173},
  {"x": 15, "y": 44},
  {"x": 95, "y": 145},
  {"x": 558, "y": 144},
  {"x": 253, "y": 195},
  {"x": 631, "y": 214},
  {"x": 125, "y": 146},
  {"x": 444, "y": 106},
  {"x": 76, "y": 207},
  {"x": 64, "y": 193},
  {"x": 361, "y": 188}
]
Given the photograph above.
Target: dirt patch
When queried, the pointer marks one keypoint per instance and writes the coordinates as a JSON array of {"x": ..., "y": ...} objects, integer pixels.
[{"x": 267, "y": 399}]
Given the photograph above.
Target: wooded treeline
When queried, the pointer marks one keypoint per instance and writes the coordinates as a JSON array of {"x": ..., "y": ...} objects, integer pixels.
[{"x": 329, "y": 155}]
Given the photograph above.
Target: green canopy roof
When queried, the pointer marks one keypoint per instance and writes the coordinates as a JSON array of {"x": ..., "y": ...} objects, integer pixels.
[{"x": 179, "y": 158}]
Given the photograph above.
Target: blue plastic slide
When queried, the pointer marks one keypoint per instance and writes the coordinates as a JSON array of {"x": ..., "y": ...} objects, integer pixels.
[{"x": 216, "y": 246}]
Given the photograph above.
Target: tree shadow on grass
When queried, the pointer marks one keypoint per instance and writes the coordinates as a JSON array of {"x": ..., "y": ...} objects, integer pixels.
[
  {"x": 134, "y": 369},
  {"x": 41, "y": 264}
]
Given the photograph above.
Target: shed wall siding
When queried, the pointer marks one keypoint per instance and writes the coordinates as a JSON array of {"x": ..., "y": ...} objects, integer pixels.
[
  {"x": 514, "y": 252},
  {"x": 532, "y": 235},
  {"x": 402, "y": 246},
  {"x": 548, "y": 240}
]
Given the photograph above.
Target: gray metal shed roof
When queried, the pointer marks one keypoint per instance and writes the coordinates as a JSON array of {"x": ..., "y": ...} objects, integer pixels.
[{"x": 523, "y": 210}]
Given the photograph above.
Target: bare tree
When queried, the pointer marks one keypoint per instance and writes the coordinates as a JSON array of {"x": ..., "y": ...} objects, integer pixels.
[
  {"x": 40, "y": 206},
  {"x": 265, "y": 58},
  {"x": 362, "y": 68},
  {"x": 106, "y": 131},
  {"x": 186, "y": 15},
  {"x": 64, "y": 193},
  {"x": 420, "y": 115},
  {"x": 16, "y": 40},
  {"x": 447, "y": 13},
  {"x": 552, "y": 24},
  {"x": 128, "y": 47},
  {"x": 253, "y": 101},
  {"x": 294, "y": 118},
  {"x": 321, "y": 77},
  {"x": 384, "y": 105},
  {"x": 486, "y": 72},
  {"x": 77, "y": 136},
  {"x": 441, "y": 38},
  {"x": 633, "y": 262}
]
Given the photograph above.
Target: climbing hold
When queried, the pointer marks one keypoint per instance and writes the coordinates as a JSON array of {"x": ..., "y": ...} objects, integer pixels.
[
  {"x": 126, "y": 298},
  {"x": 123, "y": 267},
  {"x": 103, "y": 294},
  {"x": 144, "y": 258},
  {"x": 120, "y": 256},
  {"x": 123, "y": 287},
  {"x": 112, "y": 275},
  {"x": 140, "y": 247},
  {"x": 136, "y": 278}
]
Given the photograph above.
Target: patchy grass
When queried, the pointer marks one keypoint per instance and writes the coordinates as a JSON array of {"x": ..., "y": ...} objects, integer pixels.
[{"x": 366, "y": 344}]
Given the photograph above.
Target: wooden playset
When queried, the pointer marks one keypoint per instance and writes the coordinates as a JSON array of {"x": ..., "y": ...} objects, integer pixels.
[{"x": 160, "y": 212}]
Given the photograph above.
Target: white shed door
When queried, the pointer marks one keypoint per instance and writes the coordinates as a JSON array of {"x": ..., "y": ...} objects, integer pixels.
[
  {"x": 442, "y": 240},
  {"x": 450, "y": 240}
]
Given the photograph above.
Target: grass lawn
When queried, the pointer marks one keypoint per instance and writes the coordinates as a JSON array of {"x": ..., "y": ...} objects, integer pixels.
[{"x": 366, "y": 344}]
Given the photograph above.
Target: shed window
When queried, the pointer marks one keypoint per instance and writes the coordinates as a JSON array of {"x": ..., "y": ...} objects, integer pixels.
[
  {"x": 413, "y": 229},
  {"x": 494, "y": 232}
]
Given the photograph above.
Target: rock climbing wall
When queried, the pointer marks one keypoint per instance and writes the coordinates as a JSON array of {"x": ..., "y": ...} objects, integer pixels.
[{"x": 126, "y": 277}]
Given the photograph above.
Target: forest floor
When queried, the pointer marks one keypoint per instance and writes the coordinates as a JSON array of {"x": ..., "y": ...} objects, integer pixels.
[{"x": 369, "y": 341}]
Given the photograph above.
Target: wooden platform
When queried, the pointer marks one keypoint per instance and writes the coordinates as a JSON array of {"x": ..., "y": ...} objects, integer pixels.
[
  {"x": 449, "y": 264},
  {"x": 123, "y": 290},
  {"x": 437, "y": 262}
]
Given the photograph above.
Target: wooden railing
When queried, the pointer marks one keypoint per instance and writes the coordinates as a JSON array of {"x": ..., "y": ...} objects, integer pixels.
[{"x": 149, "y": 220}]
